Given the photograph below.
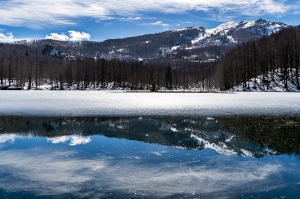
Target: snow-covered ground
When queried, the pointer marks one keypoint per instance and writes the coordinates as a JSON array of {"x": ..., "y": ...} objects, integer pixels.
[
  {"x": 118, "y": 103},
  {"x": 273, "y": 83}
]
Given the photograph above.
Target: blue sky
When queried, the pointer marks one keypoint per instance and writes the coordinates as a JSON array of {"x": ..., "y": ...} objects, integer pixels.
[{"x": 98, "y": 20}]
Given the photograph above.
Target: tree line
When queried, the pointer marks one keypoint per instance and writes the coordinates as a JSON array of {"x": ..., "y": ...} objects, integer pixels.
[
  {"x": 21, "y": 65},
  {"x": 278, "y": 53}
]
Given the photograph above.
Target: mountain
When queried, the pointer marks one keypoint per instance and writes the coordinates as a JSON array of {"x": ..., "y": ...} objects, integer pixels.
[
  {"x": 196, "y": 43},
  {"x": 232, "y": 32}
]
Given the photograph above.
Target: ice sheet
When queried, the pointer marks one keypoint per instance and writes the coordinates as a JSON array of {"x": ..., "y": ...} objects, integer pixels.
[{"x": 109, "y": 103}]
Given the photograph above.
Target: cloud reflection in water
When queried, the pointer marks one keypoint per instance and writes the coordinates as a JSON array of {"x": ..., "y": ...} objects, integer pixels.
[
  {"x": 74, "y": 140},
  {"x": 10, "y": 137},
  {"x": 59, "y": 172}
]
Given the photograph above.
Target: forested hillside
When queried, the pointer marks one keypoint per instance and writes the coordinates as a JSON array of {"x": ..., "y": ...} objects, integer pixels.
[
  {"x": 263, "y": 64},
  {"x": 27, "y": 68}
]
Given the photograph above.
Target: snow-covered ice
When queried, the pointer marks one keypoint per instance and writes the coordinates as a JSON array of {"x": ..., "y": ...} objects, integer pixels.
[{"x": 109, "y": 103}]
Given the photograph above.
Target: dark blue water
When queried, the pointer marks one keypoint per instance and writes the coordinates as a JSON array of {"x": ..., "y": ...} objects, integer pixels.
[{"x": 153, "y": 157}]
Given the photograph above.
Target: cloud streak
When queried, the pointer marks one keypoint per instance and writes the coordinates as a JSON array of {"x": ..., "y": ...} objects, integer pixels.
[
  {"x": 158, "y": 23},
  {"x": 37, "y": 14}
]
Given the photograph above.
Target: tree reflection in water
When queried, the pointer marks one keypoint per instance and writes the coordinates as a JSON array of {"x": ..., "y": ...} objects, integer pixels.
[{"x": 254, "y": 136}]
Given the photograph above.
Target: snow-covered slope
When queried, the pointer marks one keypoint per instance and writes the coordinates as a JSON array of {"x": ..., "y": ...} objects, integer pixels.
[
  {"x": 233, "y": 32},
  {"x": 192, "y": 39},
  {"x": 271, "y": 82}
]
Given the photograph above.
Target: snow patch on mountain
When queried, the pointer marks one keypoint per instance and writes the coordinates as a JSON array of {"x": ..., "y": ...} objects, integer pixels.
[
  {"x": 189, "y": 28},
  {"x": 233, "y": 32},
  {"x": 222, "y": 29}
]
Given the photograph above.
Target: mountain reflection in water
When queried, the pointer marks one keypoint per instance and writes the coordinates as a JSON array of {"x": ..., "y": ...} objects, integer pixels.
[
  {"x": 149, "y": 157},
  {"x": 257, "y": 136}
]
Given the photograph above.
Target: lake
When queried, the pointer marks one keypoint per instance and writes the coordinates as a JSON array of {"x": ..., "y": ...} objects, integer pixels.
[{"x": 149, "y": 145}]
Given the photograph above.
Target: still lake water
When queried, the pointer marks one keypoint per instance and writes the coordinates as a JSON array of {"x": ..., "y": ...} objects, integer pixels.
[
  {"x": 124, "y": 145},
  {"x": 149, "y": 157}
]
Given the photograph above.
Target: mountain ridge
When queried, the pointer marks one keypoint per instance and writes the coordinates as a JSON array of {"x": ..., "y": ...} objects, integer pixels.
[
  {"x": 191, "y": 43},
  {"x": 236, "y": 32}
]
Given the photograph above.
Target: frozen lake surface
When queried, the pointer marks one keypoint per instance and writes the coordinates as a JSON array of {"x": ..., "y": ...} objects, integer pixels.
[{"x": 113, "y": 103}]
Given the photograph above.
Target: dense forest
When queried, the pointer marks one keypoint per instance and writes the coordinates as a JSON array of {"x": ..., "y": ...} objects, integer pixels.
[
  {"x": 260, "y": 61},
  {"x": 28, "y": 68},
  {"x": 278, "y": 54}
]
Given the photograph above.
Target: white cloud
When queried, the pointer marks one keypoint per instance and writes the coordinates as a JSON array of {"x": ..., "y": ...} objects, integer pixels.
[
  {"x": 56, "y": 36},
  {"x": 78, "y": 36},
  {"x": 131, "y": 18},
  {"x": 73, "y": 36},
  {"x": 9, "y": 38},
  {"x": 41, "y": 13},
  {"x": 158, "y": 23}
]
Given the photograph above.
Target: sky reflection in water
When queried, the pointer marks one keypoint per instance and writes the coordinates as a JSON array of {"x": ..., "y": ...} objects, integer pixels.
[{"x": 156, "y": 157}]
